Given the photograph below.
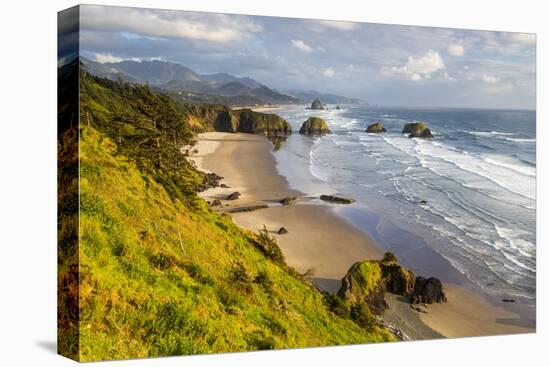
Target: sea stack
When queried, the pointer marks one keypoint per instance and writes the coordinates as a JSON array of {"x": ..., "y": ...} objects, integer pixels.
[
  {"x": 314, "y": 126},
  {"x": 317, "y": 105},
  {"x": 417, "y": 130},
  {"x": 377, "y": 128}
]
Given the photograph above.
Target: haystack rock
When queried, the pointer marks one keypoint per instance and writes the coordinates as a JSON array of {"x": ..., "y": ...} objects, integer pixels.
[
  {"x": 317, "y": 105},
  {"x": 314, "y": 126},
  {"x": 376, "y": 128}
]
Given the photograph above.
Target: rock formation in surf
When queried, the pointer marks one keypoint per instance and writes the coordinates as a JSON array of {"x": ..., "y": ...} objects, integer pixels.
[
  {"x": 376, "y": 128},
  {"x": 417, "y": 130},
  {"x": 314, "y": 126},
  {"x": 317, "y": 105}
]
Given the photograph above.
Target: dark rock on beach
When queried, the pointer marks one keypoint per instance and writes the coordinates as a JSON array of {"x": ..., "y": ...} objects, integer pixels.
[
  {"x": 288, "y": 200},
  {"x": 224, "y": 186},
  {"x": 314, "y": 126},
  {"x": 282, "y": 230},
  {"x": 398, "y": 279},
  {"x": 210, "y": 180},
  {"x": 317, "y": 105},
  {"x": 376, "y": 128},
  {"x": 337, "y": 107},
  {"x": 336, "y": 199},
  {"x": 234, "y": 196},
  {"x": 508, "y": 300},
  {"x": 417, "y": 130},
  {"x": 216, "y": 202},
  {"x": 428, "y": 291},
  {"x": 247, "y": 208}
]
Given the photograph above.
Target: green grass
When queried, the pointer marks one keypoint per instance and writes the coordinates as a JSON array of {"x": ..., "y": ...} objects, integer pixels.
[
  {"x": 159, "y": 279},
  {"x": 160, "y": 273}
]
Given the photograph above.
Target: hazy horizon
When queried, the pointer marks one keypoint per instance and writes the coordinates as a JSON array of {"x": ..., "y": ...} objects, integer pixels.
[{"x": 390, "y": 65}]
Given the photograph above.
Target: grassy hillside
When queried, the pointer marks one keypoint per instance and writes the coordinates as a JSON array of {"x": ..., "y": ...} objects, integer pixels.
[{"x": 160, "y": 273}]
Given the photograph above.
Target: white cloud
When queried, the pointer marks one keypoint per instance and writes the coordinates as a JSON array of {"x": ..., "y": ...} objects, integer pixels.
[
  {"x": 219, "y": 28},
  {"x": 109, "y": 58},
  {"x": 328, "y": 72},
  {"x": 455, "y": 50},
  {"x": 418, "y": 69},
  {"x": 301, "y": 45},
  {"x": 339, "y": 25},
  {"x": 508, "y": 43},
  {"x": 491, "y": 79}
]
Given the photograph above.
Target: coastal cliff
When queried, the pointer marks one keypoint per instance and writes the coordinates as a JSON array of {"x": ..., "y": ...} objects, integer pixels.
[{"x": 221, "y": 118}]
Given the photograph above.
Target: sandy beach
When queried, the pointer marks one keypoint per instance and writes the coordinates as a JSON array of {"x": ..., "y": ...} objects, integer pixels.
[{"x": 326, "y": 244}]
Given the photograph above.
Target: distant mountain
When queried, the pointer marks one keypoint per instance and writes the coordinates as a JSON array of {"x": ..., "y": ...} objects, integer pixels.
[
  {"x": 311, "y": 95},
  {"x": 222, "y": 78},
  {"x": 182, "y": 81}
]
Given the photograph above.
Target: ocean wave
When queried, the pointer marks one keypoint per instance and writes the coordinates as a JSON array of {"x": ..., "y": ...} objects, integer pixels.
[
  {"x": 515, "y": 165},
  {"x": 486, "y": 133},
  {"x": 520, "y": 140},
  {"x": 501, "y": 174}
]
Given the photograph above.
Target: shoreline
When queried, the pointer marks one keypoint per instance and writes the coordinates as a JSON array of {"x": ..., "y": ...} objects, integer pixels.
[{"x": 321, "y": 241}]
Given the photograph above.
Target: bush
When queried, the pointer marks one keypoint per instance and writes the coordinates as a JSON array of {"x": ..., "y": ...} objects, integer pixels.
[
  {"x": 268, "y": 246},
  {"x": 263, "y": 280},
  {"x": 362, "y": 315},
  {"x": 337, "y": 305},
  {"x": 240, "y": 277}
]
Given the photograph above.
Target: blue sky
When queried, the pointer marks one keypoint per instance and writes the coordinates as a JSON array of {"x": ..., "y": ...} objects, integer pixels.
[{"x": 383, "y": 64}]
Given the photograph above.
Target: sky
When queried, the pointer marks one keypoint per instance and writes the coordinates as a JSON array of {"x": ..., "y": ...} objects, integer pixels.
[{"x": 382, "y": 64}]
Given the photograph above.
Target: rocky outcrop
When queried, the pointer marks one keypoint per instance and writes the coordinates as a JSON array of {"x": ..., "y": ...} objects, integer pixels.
[
  {"x": 363, "y": 283},
  {"x": 233, "y": 196},
  {"x": 376, "y": 128},
  {"x": 216, "y": 202},
  {"x": 317, "y": 105},
  {"x": 314, "y": 126},
  {"x": 282, "y": 230},
  {"x": 250, "y": 208},
  {"x": 336, "y": 199},
  {"x": 417, "y": 130},
  {"x": 210, "y": 180},
  {"x": 428, "y": 291},
  {"x": 398, "y": 280},
  {"x": 222, "y": 118},
  {"x": 367, "y": 281},
  {"x": 261, "y": 123},
  {"x": 288, "y": 200}
]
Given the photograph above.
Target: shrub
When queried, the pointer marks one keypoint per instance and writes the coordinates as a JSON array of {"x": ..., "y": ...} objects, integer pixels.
[
  {"x": 362, "y": 316},
  {"x": 268, "y": 246},
  {"x": 240, "y": 277}
]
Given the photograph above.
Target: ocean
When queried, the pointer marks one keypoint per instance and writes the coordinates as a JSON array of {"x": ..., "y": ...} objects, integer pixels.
[{"x": 467, "y": 196}]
